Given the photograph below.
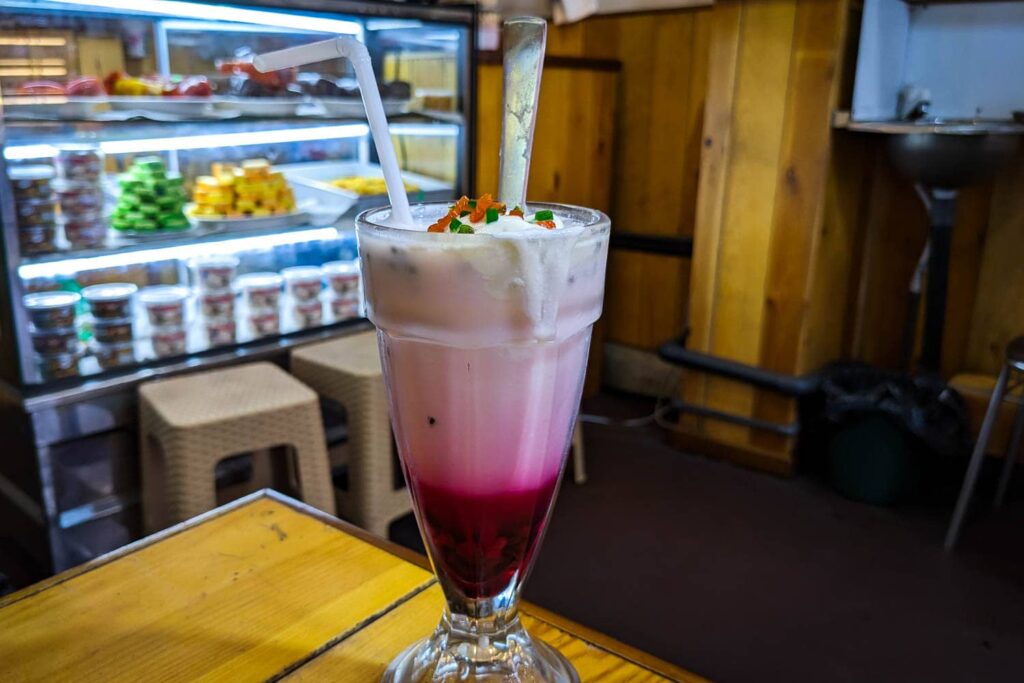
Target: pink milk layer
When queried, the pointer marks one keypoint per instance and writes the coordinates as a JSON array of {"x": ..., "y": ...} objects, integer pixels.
[{"x": 484, "y": 381}]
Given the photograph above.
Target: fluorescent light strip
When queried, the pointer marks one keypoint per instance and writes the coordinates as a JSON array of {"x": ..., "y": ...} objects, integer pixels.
[
  {"x": 352, "y": 130},
  {"x": 424, "y": 130},
  {"x": 174, "y": 8},
  {"x": 34, "y": 41},
  {"x": 33, "y": 71},
  {"x": 218, "y": 26},
  {"x": 179, "y": 252}
]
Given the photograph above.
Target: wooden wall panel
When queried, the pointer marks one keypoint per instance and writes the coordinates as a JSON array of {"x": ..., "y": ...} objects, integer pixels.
[
  {"x": 775, "y": 67},
  {"x": 717, "y": 151},
  {"x": 885, "y": 227},
  {"x": 573, "y": 141},
  {"x": 799, "y": 201},
  {"x": 832, "y": 302},
  {"x": 998, "y": 314},
  {"x": 660, "y": 105},
  {"x": 572, "y": 157},
  {"x": 757, "y": 127}
]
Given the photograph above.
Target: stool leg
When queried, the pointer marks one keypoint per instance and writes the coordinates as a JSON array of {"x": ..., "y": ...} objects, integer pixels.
[
  {"x": 971, "y": 477},
  {"x": 311, "y": 460},
  {"x": 191, "y": 484},
  {"x": 579, "y": 464},
  {"x": 1011, "y": 455},
  {"x": 371, "y": 475}
]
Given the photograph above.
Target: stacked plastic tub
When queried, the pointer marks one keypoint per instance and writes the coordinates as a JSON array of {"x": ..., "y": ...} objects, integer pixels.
[
  {"x": 213, "y": 277},
  {"x": 343, "y": 289},
  {"x": 113, "y": 329},
  {"x": 80, "y": 195},
  {"x": 165, "y": 311},
  {"x": 54, "y": 336}
]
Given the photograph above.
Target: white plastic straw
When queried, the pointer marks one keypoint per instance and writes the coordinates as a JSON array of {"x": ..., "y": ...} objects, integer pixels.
[{"x": 355, "y": 52}]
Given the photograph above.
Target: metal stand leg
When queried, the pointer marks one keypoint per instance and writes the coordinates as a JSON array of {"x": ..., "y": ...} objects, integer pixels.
[
  {"x": 1011, "y": 455},
  {"x": 941, "y": 215},
  {"x": 971, "y": 478}
]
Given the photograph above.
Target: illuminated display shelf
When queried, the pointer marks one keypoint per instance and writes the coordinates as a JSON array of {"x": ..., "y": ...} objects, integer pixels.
[
  {"x": 428, "y": 47},
  {"x": 183, "y": 247},
  {"x": 14, "y": 151}
]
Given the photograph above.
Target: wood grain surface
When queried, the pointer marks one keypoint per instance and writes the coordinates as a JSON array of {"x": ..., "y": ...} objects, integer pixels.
[
  {"x": 260, "y": 589},
  {"x": 364, "y": 655},
  {"x": 774, "y": 76},
  {"x": 658, "y": 116}
]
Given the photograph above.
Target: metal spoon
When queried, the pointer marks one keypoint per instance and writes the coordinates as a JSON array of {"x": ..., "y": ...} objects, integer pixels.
[{"x": 523, "y": 39}]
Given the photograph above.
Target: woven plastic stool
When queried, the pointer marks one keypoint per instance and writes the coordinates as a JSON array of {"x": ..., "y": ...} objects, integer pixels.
[
  {"x": 187, "y": 424},
  {"x": 348, "y": 371}
]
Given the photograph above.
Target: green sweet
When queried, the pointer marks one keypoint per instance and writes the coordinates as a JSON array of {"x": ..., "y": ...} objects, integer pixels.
[
  {"x": 168, "y": 202},
  {"x": 150, "y": 163}
]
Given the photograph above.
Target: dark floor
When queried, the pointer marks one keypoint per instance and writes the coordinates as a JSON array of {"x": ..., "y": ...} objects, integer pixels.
[{"x": 745, "y": 577}]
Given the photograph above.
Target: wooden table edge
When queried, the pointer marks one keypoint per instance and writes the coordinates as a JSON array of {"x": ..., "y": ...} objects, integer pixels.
[{"x": 592, "y": 637}]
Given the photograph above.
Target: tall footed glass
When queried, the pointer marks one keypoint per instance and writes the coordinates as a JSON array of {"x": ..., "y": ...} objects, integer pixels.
[{"x": 484, "y": 341}]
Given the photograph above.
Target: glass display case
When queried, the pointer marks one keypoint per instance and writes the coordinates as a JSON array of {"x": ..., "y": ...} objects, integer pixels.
[{"x": 161, "y": 199}]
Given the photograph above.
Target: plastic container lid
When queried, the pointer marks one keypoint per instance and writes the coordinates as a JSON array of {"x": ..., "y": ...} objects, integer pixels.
[
  {"x": 167, "y": 331},
  {"x": 215, "y": 260},
  {"x": 62, "y": 358},
  {"x": 215, "y": 294},
  {"x": 313, "y": 305},
  {"x": 85, "y": 217},
  {"x": 113, "y": 346},
  {"x": 41, "y": 301},
  {"x": 259, "y": 280},
  {"x": 54, "y": 331},
  {"x": 164, "y": 294},
  {"x": 31, "y": 172},
  {"x": 109, "y": 292},
  {"x": 302, "y": 273},
  {"x": 83, "y": 186},
  {"x": 110, "y": 322},
  {"x": 77, "y": 148},
  {"x": 341, "y": 268}
]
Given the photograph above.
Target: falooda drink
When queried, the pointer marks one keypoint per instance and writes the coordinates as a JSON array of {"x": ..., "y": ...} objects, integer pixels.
[{"x": 484, "y": 315}]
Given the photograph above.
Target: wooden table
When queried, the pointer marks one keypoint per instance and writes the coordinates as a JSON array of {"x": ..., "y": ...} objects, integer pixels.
[{"x": 265, "y": 588}]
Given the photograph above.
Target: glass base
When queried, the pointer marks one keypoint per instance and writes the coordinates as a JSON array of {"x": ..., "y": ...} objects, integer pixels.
[{"x": 455, "y": 654}]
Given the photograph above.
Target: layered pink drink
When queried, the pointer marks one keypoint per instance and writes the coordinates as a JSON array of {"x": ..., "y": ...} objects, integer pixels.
[{"x": 484, "y": 339}]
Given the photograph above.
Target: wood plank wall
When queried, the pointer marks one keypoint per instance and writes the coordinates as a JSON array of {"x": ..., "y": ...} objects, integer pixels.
[
  {"x": 573, "y": 146},
  {"x": 657, "y": 134},
  {"x": 775, "y": 68},
  {"x": 885, "y": 228}
]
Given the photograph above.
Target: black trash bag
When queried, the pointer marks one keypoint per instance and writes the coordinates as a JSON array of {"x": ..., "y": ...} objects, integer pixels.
[
  {"x": 885, "y": 428},
  {"x": 924, "y": 405}
]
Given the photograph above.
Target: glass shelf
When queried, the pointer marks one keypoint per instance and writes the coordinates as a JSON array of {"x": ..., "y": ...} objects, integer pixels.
[
  {"x": 182, "y": 247},
  {"x": 37, "y": 124}
]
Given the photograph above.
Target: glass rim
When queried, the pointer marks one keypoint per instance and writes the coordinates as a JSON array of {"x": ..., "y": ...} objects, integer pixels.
[{"x": 597, "y": 223}]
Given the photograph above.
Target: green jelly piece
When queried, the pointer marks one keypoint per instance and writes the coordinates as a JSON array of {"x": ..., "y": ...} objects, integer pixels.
[{"x": 150, "y": 163}]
